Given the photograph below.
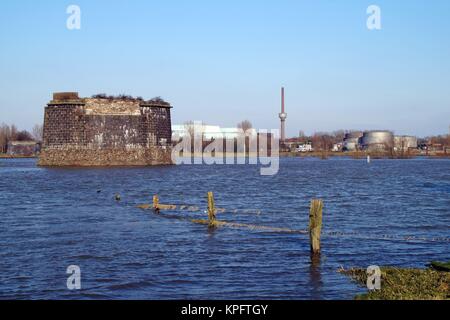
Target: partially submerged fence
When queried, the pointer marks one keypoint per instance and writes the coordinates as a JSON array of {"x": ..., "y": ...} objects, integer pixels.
[{"x": 314, "y": 229}]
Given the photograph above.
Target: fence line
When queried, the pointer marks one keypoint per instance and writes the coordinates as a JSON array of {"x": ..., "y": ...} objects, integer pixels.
[
  {"x": 157, "y": 208},
  {"x": 192, "y": 208}
]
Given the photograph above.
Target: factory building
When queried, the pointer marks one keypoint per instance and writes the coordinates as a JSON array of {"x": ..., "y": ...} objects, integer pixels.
[
  {"x": 404, "y": 143},
  {"x": 378, "y": 140},
  {"x": 351, "y": 141},
  {"x": 208, "y": 132}
]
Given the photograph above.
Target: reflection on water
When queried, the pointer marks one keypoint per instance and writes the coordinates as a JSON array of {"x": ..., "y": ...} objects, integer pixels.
[
  {"x": 315, "y": 276},
  {"x": 53, "y": 218}
]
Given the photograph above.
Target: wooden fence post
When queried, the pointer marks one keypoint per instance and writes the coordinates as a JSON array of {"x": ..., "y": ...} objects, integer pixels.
[
  {"x": 315, "y": 225},
  {"x": 155, "y": 203},
  {"x": 211, "y": 210}
]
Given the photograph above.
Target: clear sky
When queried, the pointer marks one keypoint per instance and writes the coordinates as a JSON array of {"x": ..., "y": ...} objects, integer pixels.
[{"x": 224, "y": 61}]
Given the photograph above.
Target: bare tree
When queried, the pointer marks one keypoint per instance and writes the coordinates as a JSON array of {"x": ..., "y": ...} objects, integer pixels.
[
  {"x": 7, "y": 134},
  {"x": 189, "y": 128},
  {"x": 24, "y": 135},
  {"x": 338, "y": 136},
  {"x": 4, "y": 137},
  {"x": 38, "y": 132},
  {"x": 194, "y": 129},
  {"x": 245, "y": 125},
  {"x": 13, "y": 132},
  {"x": 323, "y": 142},
  {"x": 447, "y": 144}
]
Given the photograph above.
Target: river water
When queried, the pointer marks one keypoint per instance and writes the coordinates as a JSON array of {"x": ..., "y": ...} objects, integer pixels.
[{"x": 53, "y": 218}]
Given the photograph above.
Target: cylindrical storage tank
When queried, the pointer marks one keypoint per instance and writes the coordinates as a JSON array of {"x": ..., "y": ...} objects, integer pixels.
[
  {"x": 405, "y": 142},
  {"x": 377, "y": 140}
]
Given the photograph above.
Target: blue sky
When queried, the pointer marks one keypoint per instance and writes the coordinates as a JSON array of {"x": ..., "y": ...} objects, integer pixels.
[{"x": 225, "y": 61}]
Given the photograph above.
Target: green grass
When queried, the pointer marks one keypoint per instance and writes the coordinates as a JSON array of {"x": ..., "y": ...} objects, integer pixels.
[
  {"x": 405, "y": 284},
  {"x": 440, "y": 266}
]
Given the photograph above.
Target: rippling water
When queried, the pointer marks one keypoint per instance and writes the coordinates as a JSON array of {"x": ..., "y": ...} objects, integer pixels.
[{"x": 53, "y": 218}]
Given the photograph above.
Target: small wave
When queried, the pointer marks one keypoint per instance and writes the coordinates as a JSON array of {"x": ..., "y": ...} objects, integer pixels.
[
  {"x": 135, "y": 264},
  {"x": 130, "y": 285},
  {"x": 90, "y": 257}
]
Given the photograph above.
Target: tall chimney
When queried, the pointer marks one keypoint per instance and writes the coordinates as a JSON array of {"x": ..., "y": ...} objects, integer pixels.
[{"x": 283, "y": 116}]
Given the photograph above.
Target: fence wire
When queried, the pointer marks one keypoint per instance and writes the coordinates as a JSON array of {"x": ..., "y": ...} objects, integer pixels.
[{"x": 254, "y": 227}]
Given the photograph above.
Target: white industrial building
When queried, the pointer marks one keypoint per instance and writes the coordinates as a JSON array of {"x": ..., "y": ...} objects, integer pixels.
[{"x": 209, "y": 132}]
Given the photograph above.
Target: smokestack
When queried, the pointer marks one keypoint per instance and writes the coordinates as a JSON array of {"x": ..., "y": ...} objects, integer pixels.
[{"x": 283, "y": 116}]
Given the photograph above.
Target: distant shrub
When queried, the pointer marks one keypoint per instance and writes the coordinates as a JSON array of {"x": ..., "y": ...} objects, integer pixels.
[
  {"x": 158, "y": 100},
  {"x": 100, "y": 96},
  {"x": 125, "y": 97}
]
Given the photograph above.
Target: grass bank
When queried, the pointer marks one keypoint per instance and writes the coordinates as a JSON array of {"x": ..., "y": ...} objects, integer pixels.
[{"x": 405, "y": 284}]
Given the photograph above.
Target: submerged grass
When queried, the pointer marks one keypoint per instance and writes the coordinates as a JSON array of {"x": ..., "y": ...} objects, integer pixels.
[{"x": 405, "y": 284}]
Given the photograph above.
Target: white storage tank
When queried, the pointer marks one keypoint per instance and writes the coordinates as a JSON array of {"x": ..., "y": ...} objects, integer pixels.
[{"x": 377, "y": 140}]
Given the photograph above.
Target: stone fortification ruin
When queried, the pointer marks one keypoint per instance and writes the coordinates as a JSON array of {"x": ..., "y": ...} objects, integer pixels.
[{"x": 106, "y": 131}]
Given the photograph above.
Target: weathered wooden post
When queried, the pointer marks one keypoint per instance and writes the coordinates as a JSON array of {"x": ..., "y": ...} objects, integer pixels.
[
  {"x": 315, "y": 225},
  {"x": 211, "y": 210},
  {"x": 155, "y": 203}
]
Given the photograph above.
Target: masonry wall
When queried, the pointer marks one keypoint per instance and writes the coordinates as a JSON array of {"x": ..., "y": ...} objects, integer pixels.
[
  {"x": 157, "y": 123},
  {"x": 88, "y": 132}
]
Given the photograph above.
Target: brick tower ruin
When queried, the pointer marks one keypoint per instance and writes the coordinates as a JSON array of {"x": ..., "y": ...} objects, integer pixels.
[{"x": 106, "y": 131}]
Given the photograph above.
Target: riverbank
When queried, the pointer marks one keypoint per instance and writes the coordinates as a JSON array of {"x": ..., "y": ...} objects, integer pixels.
[
  {"x": 405, "y": 284},
  {"x": 363, "y": 155},
  {"x": 314, "y": 154}
]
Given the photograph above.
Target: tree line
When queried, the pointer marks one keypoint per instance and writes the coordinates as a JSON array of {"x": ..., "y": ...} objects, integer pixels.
[
  {"x": 10, "y": 133},
  {"x": 322, "y": 141},
  {"x": 443, "y": 140}
]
